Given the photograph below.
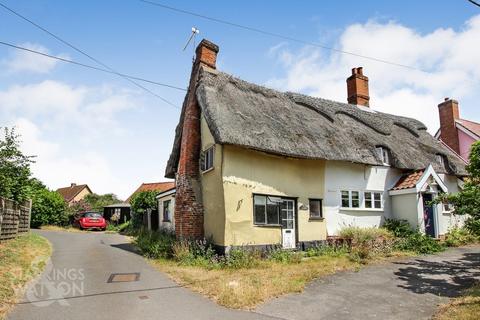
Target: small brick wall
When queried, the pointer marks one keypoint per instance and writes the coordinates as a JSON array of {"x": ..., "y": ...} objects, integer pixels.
[{"x": 14, "y": 218}]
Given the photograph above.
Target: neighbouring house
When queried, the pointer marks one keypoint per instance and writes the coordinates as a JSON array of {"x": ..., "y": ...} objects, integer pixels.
[
  {"x": 153, "y": 186},
  {"x": 122, "y": 210},
  {"x": 166, "y": 206},
  {"x": 74, "y": 193},
  {"x": 258, "y": 167},
  {"x": 458, "y": 134}
]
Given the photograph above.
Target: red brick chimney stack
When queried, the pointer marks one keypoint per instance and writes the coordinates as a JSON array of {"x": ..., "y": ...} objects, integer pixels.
[
  {"x": 357, "y": 88},
  {"x": 449, "y": 112},
  {"x": 188, "y": 198},
  {"x": 206, "y": 53}
]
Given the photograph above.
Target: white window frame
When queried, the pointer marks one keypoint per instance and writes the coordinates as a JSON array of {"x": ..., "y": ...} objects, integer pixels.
[
  {"x": 350, "y": 199},
  {"x": 384, "y": 154},
  {"x": 372, "y": 199},
  {"x": 207, "y": 158}
]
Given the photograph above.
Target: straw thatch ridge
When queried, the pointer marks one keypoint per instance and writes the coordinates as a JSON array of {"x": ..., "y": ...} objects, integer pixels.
[{"x": 299, "y": 126}]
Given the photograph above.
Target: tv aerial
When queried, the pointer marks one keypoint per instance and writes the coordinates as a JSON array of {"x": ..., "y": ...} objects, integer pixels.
[{"x": 195, "y": 31}]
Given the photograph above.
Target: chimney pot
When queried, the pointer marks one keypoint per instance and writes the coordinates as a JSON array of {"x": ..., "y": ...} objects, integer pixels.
[
  {"x": 73, "y": 185},
  {"x": 357, "y": 88}
]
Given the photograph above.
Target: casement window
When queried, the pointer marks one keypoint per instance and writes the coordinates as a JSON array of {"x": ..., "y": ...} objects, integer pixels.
[
  {"x": 384, "y": 154},
  {"x": 447, "y": 207},
  {"x": 441, "y": 160},
  {"x": 206, "y": 159},
  {"x": 373, "y": 200},
  {"x": 166, "y": 211},
  {"x": 266, "y": 210},
  {"x": 350, "y": 199},
  {"x": 316, "y": 211}
]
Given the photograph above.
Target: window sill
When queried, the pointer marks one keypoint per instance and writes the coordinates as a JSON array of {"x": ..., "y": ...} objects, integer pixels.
[
  {"x": 447, "y": 212},
  {"x": 208, "y": 170},
  {"x": 315, "y": 219},
  {"x": 166, "y": 221},
  {"x": 268, "y": 225},
  {"x": 362, "y": 209}
]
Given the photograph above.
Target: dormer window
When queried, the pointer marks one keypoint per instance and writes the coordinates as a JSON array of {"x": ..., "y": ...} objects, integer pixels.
[
  {"x": 440, "y": 158},
  {"x": 384, "y": 155}
]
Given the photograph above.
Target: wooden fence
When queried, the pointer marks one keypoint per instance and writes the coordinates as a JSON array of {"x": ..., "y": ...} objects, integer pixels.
[{"x": 14, "y": 218}]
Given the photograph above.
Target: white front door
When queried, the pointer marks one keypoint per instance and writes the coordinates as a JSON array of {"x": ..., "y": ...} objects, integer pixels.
[{"x": 287, "y": 216}]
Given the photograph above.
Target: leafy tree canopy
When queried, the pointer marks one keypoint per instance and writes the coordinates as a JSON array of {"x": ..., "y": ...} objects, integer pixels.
[
  {"x": 97, "y": 201},
  {"x": 14, "y": 167},
  {"x": 144, "y": 200},
  {"x": 467, "y": 201}
]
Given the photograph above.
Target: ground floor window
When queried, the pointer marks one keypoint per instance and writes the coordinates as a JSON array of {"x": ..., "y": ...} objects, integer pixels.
[
  {"x": 267, "y": 210},
  {"x": 373, "y": 200},
  {"x": 350, "y": 199},
  {"x": 166, "y": 211},
  {"x": 315, "y": 206}
]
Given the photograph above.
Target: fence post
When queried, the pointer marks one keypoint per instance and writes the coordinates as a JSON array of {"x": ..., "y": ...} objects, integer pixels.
[
  {"x": 29, "y": 213},
  {"x": 2, "y": 210}
]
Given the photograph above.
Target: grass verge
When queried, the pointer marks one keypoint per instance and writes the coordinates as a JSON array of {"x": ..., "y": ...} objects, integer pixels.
[
  {"x": 21, "y": 259},
  {"x": 466, "y": 307},
  {"x": 248, "y": 287},
  {"x": 58, "y": 228}
]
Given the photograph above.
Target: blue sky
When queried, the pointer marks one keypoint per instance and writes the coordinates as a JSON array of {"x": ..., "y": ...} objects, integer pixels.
[{"x": 89, "y": 127}]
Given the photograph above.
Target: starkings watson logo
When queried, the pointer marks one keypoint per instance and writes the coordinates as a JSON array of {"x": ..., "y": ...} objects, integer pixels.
[{"x": 56, "y": 285}]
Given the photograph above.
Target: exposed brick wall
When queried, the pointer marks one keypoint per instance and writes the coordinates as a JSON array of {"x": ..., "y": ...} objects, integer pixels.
[
  {"x": 188, "y": 197},
  {"x": 449, "y": 112},
  {"x": 357, "y": 88}
]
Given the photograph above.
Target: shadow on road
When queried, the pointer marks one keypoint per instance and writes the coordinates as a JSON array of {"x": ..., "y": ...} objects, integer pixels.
[
  {"x": 127, "y": 247},
  {"x": 444, "y": 278}
]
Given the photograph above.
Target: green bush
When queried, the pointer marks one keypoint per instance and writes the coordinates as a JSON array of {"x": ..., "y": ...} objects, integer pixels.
[
  {"x": 362, "y": 235},
  {"x": 366, "y": 242},
  {"x": 155, "y": 244},
  {"x": 48, "y": 208},
  {"x": 118, "y": 227},
  {"x": 285, "y": 256},
  {"x": 195, "y": 253},
  {"x": 473, "y": 225},
  {"x": 327, "y": 250},
  {"x": 419, "y": 243},
  {"x": 399, "y": 228},
  {"x": 458, "y": 237}
]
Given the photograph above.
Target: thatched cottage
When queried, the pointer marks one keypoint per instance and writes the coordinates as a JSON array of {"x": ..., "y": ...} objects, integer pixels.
[{"x": 255, "y": 166}]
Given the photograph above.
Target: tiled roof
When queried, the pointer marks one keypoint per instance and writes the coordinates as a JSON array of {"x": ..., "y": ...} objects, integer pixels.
[
  {"x": 68, "y": 193},
  {"x": 470, "y": 126},
  {"x": 154, "y": 186},
  {"x": 408, "y": 181}
]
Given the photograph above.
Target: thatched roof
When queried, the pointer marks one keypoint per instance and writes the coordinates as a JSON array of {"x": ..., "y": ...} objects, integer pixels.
[{"x": 299, "y": 126}]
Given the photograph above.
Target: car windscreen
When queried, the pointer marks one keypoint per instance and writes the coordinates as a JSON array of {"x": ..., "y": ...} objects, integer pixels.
[{"x": 93, "y": 215}]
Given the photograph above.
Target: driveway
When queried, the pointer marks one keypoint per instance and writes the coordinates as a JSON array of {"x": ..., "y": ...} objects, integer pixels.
[
  {"x": 75, "y": 285},
  {"x": 409, "y": 289},
  {"x": 78, "y": 284}
]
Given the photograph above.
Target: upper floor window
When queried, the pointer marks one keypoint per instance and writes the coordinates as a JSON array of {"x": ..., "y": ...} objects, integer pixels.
[
  {"x": 384, "y": 154},
  {"x": 315, "y": 206},
  {"x": 206, "y": 159}
]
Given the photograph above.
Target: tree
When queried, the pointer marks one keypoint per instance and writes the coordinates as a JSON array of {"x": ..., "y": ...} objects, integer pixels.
[
  {"x": 97, "y": 201},
  {"x": 48, "y": 207},
  {"x": 140, "y": 203},
  {"x": 467, "y": 201},
  {"x": 14, "y": 168}
]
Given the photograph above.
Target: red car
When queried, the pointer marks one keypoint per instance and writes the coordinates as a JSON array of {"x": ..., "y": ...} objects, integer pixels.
[{"x": 91, "y": 220}]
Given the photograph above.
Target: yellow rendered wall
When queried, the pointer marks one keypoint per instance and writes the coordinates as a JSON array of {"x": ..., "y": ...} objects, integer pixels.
[
  {"x": 246, "y": 172},
  {"x": 212, "y": 190}
]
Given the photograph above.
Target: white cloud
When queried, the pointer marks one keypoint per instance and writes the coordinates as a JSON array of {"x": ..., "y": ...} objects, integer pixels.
[
  {"x": 22, "y": 61},
  {"x": 451, "y": 58}
]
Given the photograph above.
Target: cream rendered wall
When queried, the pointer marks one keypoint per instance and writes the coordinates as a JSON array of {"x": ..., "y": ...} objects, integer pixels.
[
  {"x": 246, "y": 172},
  {"x": 170, "y": 225},
  {"x": 446, "y": 220},
  {"x": 408, "y": 207},
  {"x": 349, "y": 176},
  {"x": 212, "y": 190},
  {"x": 82, "y": 194}
]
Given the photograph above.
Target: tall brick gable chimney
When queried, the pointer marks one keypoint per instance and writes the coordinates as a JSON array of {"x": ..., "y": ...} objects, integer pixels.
[
  {"x": 449, "y": 112},
  {"x": 357, "y": 88},
  {"x": 188, "y": 198}
]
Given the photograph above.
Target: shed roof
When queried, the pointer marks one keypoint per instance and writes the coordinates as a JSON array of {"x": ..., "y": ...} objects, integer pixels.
[
  {"x": 153, "y": 186},
  {"x": 299, "y": 126}
]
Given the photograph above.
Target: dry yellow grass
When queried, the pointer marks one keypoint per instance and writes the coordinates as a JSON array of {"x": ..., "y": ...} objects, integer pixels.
[
  {"x": 246, "y": 288},
  {"x": 57, "y": 228},
  {"x": 21, "y": 259},
  {"x": 466, "y": 307}
]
